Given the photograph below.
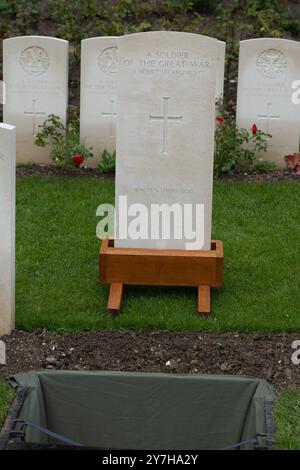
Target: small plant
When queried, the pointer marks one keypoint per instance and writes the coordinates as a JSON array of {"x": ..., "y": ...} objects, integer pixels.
[
  {"x": 64, "y": 141},
  {"x": 237, "y": 148},
  {"x": 263, "y": 166},
  {"x": 107, "y": 162},
  {"x": 52, "y": 133}
]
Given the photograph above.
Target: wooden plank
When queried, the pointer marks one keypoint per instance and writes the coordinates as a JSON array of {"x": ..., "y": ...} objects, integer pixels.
[
  {"x": 157, "y": 270},
  {"x": 199, "y": 267},
  {"x": 107, "y": 247},
  {"x": 161, "y": 267},
  {"x": 115, "y": 299},
  {"x": 204, "y": 300}
]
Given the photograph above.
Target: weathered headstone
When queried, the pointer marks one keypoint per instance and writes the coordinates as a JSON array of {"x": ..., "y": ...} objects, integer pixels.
[
  {"x": 165, "y": 126},
  {"x": 98, "y": 107},
  {"x": 35, "y": 72},
  {"x": 7, "y": 227},
  {"x": 267, "y": 68}
]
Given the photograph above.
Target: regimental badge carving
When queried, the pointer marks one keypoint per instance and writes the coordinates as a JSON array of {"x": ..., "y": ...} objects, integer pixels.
[
  {"x": 34, "y": 60},
  {"x": 271, "y": 63},
  {"x": 108, "y": 60}
]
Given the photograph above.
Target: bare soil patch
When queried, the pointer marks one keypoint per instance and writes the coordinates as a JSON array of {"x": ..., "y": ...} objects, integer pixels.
[{"x": 266, "y": 356}]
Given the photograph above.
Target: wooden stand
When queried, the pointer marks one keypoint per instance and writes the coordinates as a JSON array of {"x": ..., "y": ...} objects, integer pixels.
[{"x": 200, "y": 268}]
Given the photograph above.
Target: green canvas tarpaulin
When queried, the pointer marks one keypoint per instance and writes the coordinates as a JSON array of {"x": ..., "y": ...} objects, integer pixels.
[{"x": 146, "y": 410}]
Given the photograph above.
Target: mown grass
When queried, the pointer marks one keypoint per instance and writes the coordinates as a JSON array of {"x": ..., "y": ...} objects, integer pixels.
[
  {"x": 6, "y": 395},
  {"x": 57, "y": 261},
  {"x": 287, "y": 414}
]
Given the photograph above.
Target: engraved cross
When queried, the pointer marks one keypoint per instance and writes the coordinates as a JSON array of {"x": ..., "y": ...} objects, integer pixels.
[
  {"x": 34, "y": 113},
  {"x": 165, "y": 118},
  {"x": 112, "y": 114},
  {"x": 267, "y": 117}
]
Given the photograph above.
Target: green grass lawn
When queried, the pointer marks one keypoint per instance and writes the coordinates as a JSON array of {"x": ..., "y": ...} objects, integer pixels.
[
  {"x": 6, "y": 395},
  {"x": 57, "y": 255},
  {"x": 287, "y": 416}
]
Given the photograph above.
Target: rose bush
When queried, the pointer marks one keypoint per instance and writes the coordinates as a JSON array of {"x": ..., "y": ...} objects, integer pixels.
[
  {"x": 63, "y": 140},
  {"x": 237, "y": 148}
]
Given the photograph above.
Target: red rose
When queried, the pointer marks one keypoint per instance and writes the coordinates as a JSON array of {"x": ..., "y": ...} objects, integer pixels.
[
  {"x": 220, "y": 119},
  {"x": 77, "y": 160},
  {"x": 254, "y": 129}
]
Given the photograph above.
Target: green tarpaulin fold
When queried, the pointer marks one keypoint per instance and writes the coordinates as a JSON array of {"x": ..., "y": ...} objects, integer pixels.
[{"x": 146, "y": 410}]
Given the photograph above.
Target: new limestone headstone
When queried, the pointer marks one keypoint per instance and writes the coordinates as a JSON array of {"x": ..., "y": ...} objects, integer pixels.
[
  {"x": 98, "y": 107},
  {"x": 165, "y": 126},
  {"x": 267, "y": 68},
  {"x": 35, "y": 71},
  {"x": 7, "y": 227},
  {"x": 98, "y": 96}
]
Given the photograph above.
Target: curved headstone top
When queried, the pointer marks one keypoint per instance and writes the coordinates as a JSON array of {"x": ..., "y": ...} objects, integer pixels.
[
  {"x": 96, "y": 39},
  {"x": 35, "y": 36},
  {"x": 165, "y": 34},
  {"x": 264, "y": 40}
]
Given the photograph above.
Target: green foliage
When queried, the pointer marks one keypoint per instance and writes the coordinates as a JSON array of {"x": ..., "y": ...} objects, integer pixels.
[
  {"x": 20, "y": 16},
  {"x": 107, "y": 162},
  {"x": 64, "y": 142},
  {"x": 263, "y": 166},
  {"x": 52, "y": 133},
  {"x": 268, "y": 22},
  {"x": 196, "y": 6},
  {"x": 236, "y": 148},
  {"x": 207, "y": 7},
  {"x": 291, "y": 25}
]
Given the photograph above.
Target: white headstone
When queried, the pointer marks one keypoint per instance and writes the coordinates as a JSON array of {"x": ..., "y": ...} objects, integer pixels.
[
  {"x": 35, "y": 71},
  {"x": 267, "y": 68},
  {"x": 220, "y": 70},
  {"x": 2, "y": 353},
  {"x": 98, "y": 107},
  {"x": 98, "y": 96},
  {"x": 7, "y": 227},
  {"x": 165, "y": 125}
]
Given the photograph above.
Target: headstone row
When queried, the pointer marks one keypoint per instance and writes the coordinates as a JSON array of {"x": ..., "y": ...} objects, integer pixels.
[{"x": 35, "y": 71}]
